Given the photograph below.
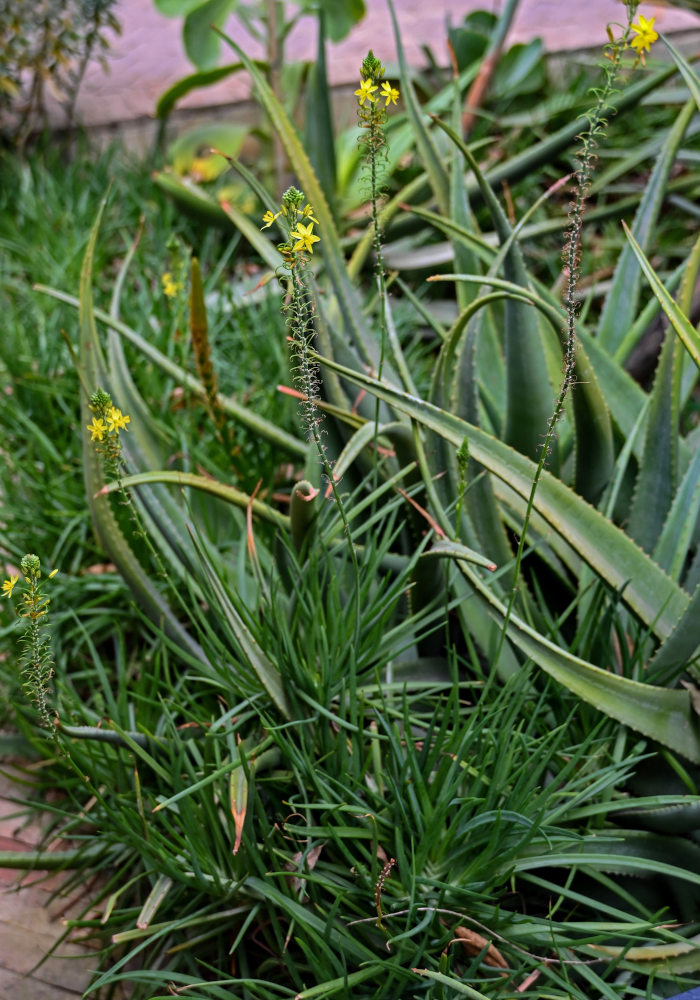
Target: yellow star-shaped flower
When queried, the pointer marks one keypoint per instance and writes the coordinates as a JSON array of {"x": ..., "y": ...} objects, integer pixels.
[
  {"x": 97, "y": 429},
  {"x": 269, "y": 218},
  {"x": 389, "y": 93},
  {"x": 304, "y": 237},
  {"x": 116, "y": 420},
  {"x": 367, "y": 88},
  {"x": 8, "y": 586},
  {"x": 308, "y": 214},
  {"x": 645, "y": 34},
  {"x": 170, "y": 286}
]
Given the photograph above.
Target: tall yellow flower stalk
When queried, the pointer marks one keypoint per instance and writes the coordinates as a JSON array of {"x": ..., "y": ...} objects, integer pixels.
[
  {"x": 296, "y": 219},
  {"x": 36, "y": 663},
  {"x": 597, "y": 116},
  {"x": 372, "y": 118}
]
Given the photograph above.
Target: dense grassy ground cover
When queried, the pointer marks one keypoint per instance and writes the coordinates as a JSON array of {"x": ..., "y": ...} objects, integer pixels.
[{"x": 383, "y": 699}]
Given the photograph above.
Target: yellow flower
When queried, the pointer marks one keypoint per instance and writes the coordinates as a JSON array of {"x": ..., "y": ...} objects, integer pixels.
[
  {"x": 645, "y": 34},
  {"x": 170, "y": 286},
  {"x": 367, "y": 88},
  {"x": 8, "y": 586},
  {"x": 389, "y": 93},
  {"x": 304, "y": 237},
  {"x": 97, "y": 429},
  {"x": 116, "y": 420},
  {"x": 308, "y": 214},
  {"x": 269, "y": 218}
]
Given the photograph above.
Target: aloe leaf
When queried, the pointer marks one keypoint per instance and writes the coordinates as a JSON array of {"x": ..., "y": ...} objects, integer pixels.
[
  {"x": 474, "y": 613},
  {"x": 455, "y": 386},
  {"x": 443, "y": 548},
  {"x": 679, "y": 322},
  {"x": 457, "y": 231},
  {"x": 686, "y": 71},
  {"x": 429, "y": 155},
  {"x": 660, "y": 713},
  {"x": 606, "y": 856},
  {"x": 624, "y": 396},
  {"x": 645, "y": 318},
  {"x": 621, "y": 304},
  {"x": 674, "y": 542},
  {"x": 595, "y": 456},
  {"x": 93, "y": 375},
  {"x": 526, "y": 163},
  {"x": 658, "y": 470},
  {"x": 595, "y": 450},
  {"x": 645, "y": 588},
  {"x": 320, "y": 142},
  {"x": 465, "y": 252},
  {"x": 192, "y": 198},
  {"x": 681, "y": 647},
  {"x": 529, "y": 396},
  {"x": 206, "y": 485},
  {"x": 242, "y": 414}
]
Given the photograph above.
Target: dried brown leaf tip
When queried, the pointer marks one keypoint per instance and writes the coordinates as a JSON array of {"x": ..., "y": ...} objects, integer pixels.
[{"x": 474, "y": 944}]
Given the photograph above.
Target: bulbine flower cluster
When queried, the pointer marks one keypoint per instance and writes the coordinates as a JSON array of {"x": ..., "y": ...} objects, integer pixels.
[
  {"x": 35, "y": 661},
  {"x": 370, "y": 112},
  {"x": 297, "y": 224},
  {"x": 107, "y": 423}
]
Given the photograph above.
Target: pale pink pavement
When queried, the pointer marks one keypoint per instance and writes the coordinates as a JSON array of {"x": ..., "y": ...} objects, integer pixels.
[{"x": 148, "y": 56}]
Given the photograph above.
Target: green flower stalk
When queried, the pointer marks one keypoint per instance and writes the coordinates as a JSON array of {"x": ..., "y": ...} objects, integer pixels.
[
  {"x": 107, "y": 424},
  {"x": 372, "y": 118},
  {"x": 105, "y": 428},
  {"x": 35, "y": 660},
  {"x": 298, "y": 224},
  {"x": 597, "y": 123},
  {"x": 297, "y": 221}
]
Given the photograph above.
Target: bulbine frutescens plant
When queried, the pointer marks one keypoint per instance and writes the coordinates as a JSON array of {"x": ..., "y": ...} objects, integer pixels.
[{"x": 35, "y": 660}]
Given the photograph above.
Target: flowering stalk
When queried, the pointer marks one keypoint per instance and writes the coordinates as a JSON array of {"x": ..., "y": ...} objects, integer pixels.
[
  {"x": 107, "y": 423},
  {"x": 297, "y": 223},
  {"x": 372, "y": 119},
  {"x": 35, "y": 660},
  {"x": 597, "y": 123}
]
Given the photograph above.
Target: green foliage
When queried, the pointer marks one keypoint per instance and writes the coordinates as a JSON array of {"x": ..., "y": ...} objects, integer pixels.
[{"x": 417, "y": 715}]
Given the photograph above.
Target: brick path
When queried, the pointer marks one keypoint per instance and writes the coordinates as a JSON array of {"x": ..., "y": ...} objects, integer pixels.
[{"x": 30, "y": 922}]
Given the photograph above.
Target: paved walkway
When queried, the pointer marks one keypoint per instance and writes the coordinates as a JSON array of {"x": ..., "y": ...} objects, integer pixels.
[
  {"x": 30, "y": 921},
  {"x": 148, "y": 57}
]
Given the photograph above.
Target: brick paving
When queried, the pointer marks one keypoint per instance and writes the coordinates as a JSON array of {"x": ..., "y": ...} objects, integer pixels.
[{"x": 31, "y": 922}]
